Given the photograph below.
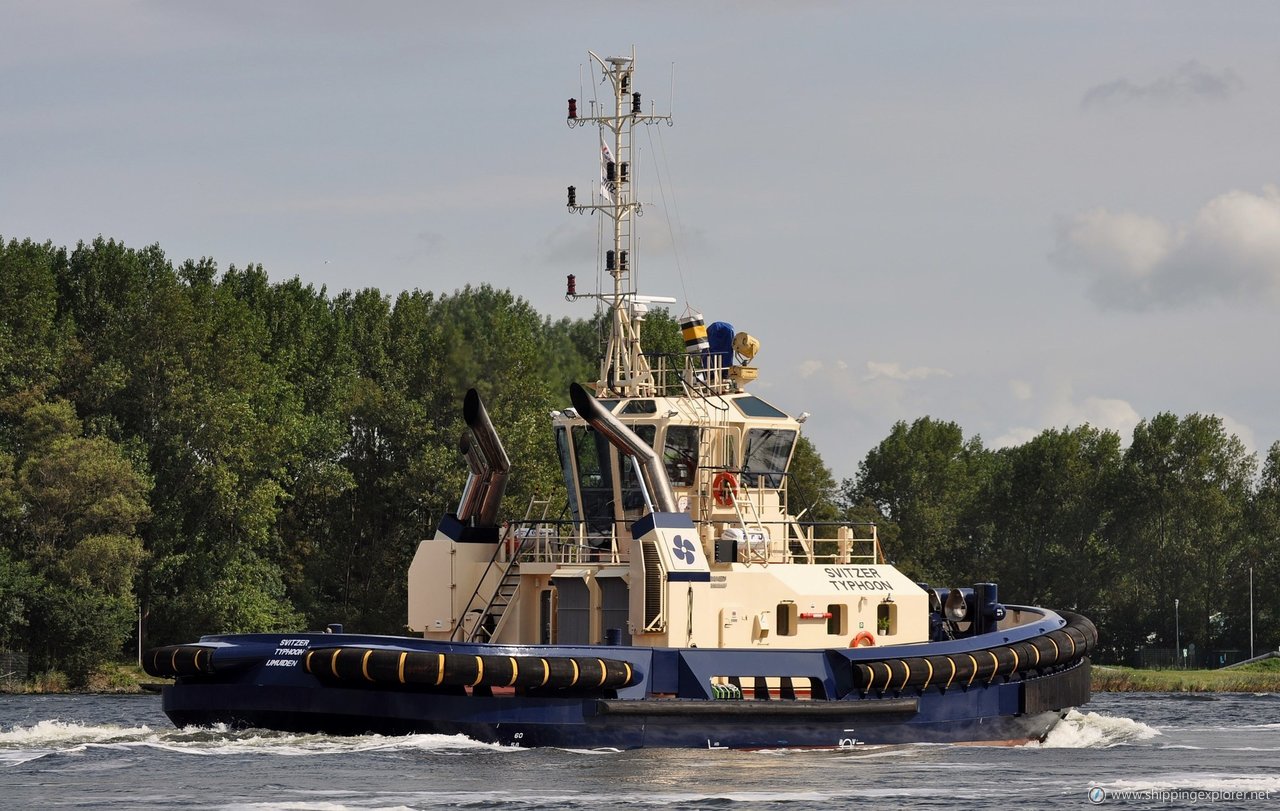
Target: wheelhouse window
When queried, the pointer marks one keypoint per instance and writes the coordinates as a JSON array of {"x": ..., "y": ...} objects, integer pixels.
[
  {"x": 566, "y": 467},
  {"x": 595, "y": 478},
  {"x": 632, "y": 497},
  {"x": 764, "y": 461},
  {"x": 680, "y": 454}
]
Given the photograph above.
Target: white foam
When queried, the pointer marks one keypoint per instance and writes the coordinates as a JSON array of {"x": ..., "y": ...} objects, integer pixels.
[
  {"x": 1090, "y": 730},
  {"x": 61, "y": 733},
  {"x": 21, "y": 744}
]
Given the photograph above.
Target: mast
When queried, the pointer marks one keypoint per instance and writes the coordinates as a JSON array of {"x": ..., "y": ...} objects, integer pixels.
[{"x": 624, "y": 370}]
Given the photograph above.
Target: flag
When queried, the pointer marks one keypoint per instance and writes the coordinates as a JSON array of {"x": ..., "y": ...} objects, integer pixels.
[{"x": 606, "y": 158}]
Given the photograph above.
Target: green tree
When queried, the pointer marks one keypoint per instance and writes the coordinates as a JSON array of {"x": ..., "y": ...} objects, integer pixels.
[
  {"x": 1049, "y": 503},
  {"x": 1186, "y": 486},
  {"x": 74, "y": 505},
  {"x": 923, "y": 480}
]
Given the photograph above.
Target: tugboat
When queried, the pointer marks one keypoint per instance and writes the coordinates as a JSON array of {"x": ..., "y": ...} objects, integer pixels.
[{"x": 681, "y": 605}]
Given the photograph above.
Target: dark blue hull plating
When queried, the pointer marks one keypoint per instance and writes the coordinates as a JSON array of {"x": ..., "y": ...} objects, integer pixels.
[{"x": 270, "y": 682}]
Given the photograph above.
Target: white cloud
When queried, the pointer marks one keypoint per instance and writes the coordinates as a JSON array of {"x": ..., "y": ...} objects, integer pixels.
[
  {"x": 809, "y": 368},
  {"x": 1229, "y": 250},
  {"x": 1020, "y": 389},
  {"x": 894, "y": 371},
  {"x": 1100, "y": 412},
  {"x": 1061, "y": 409},
  {"x": 1191, "y": 82}
]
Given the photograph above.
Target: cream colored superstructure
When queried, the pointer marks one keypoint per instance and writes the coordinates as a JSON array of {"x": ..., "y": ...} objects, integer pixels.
[{"x": 677, "y": 447}]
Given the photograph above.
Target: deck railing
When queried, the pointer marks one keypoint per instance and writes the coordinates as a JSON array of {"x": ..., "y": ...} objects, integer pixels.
[{"x": 789, "y": 541}]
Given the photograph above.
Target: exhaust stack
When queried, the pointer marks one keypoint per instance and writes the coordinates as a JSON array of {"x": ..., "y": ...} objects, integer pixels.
[
  {"x": 489, "y": 464},
  {"x": 655, "y": 479}
]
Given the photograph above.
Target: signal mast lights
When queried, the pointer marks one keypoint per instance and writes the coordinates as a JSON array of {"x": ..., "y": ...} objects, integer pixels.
[{"x": 624, "y": 371}]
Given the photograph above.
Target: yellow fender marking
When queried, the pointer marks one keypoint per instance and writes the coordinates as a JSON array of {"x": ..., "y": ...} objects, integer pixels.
[
  {"x": 515, "y": 670},
  {"x": 995, "y": 661},
  {"x": 306, "y": 662},
  {"x": 546, "y": 672},
  {"x": 574, "y": 681},
  {"x": 439, "y": 669},
  {"x": 173, "y": 661},
  {"x": 1057, "y": 654},
  {"x": 906, "y": 666},
  {"x": 333, "y": 663},
  {"x": 627, "y": 665},
  {"x": 1037, "y": 650},
  {"x": 604, "y": 672},
  {"x": 364, "y": 664},
  {"x": 929, "y": 677},
  {"x": 975, "y": 669},
  {"x": 1015, "y": 660},
  {"x": 400, "y": 669},
  {"x": 952, "y": 677},
  {"x": 1073, "y": 646},
  {"x": 479, "y": 671}
]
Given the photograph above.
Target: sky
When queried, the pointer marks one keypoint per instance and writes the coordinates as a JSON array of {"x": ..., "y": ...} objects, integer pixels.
[{"x": 1016, "y": 216}]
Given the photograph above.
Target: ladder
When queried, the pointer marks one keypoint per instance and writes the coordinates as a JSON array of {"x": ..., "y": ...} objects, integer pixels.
[
  {"x": 491, "y": 619},
  {"x": 749, "y": 520}
]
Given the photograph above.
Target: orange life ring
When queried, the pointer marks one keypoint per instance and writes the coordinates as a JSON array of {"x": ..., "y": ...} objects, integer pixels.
[
  {"x": 724, "y": 488},
  {"x": 864, "y": 639}
]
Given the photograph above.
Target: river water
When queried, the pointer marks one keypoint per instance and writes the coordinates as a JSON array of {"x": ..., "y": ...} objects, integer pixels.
[{"x": 120, "y": 752}]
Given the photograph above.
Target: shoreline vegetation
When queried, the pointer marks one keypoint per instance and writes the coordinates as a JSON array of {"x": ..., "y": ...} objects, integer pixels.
[{"x": 1259, "y": 677}]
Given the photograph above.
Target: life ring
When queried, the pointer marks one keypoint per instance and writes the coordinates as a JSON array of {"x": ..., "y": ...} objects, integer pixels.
[
  {"x": 724, "y": 488},
  {"x": 864, "y": 639}
]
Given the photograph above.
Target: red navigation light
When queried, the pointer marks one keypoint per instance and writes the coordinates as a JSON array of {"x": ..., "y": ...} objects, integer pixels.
[
  {"x": 573, "y": 108},
  {"x": 571, "y": 285}
]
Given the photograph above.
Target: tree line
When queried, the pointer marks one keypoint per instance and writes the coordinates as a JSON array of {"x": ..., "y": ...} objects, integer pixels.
[{"x": 213, "y": 451}]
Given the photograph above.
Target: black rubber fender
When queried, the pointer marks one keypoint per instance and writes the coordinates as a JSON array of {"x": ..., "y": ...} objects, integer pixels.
[{"x": 389, "y": 667}]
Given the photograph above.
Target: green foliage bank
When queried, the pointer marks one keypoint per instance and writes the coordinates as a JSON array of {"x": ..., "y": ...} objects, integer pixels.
[{"x": 212, "y": 451}]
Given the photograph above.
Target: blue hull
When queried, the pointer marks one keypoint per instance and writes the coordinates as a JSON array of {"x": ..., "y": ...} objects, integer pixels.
[
  {"x": 332, "y": 683},
  {"x": 962, "y": 716}
]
